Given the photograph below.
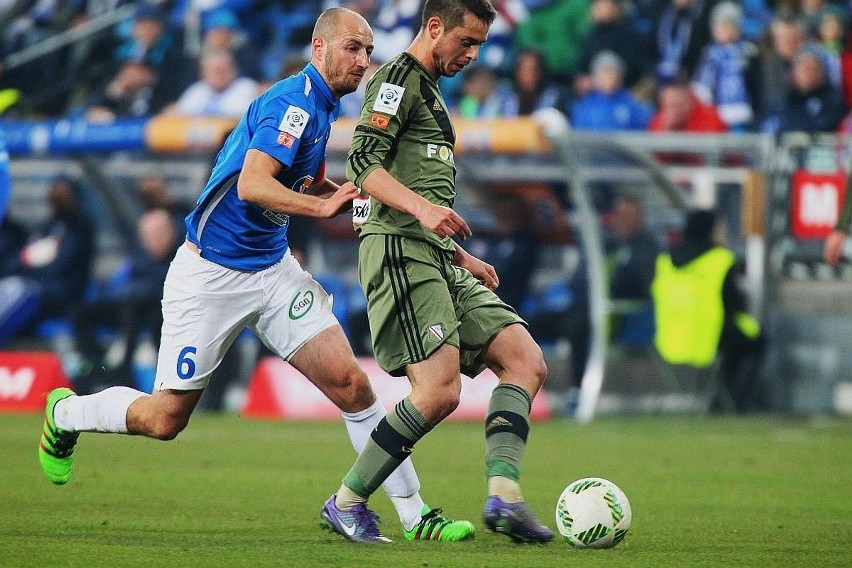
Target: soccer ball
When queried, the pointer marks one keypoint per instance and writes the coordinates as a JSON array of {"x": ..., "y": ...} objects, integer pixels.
[{"x": 593, "y": 513}]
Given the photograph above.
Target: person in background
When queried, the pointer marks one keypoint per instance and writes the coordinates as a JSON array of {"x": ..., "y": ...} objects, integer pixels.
[
  {"x": 222, "y": 32},
  {"x": 813, "y": 104},
  {"x": 680, "y": 32},
  {"x": 612, "y": 31},
  {"x": 234, "y": 271},
  {"x": 679, "y": 110},
  {"x": 832, "y": 251},
  {"x": 5, "y": 176},
  {"x": 726, "y": 76},
  {"x": 130, "y": 309},
  {"x": 631, "y": 250},
  {"x": 221, "y": 90},
  {"x": 609, "y": 105},
  {"x": 700, "y": 313},
  {"x": 786, "y": 38},
  {"x": 532, "y": 87}
]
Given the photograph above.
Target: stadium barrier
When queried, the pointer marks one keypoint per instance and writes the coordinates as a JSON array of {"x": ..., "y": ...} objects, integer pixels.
[
  {"x": 277, "y": 390},
  {"x": 25, "y": 378}
]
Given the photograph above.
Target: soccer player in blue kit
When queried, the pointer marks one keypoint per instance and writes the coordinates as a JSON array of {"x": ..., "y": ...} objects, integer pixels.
[{"x": 235, "y": 271}]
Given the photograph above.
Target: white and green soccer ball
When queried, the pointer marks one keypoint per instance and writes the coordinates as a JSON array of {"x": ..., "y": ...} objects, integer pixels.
[{"x": 593, "y": 513}]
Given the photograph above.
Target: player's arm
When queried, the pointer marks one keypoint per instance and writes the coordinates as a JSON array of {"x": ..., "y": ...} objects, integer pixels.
[
  {"x": 480, "y": 269},
  {"x": 257, "y": 184},
  {"x": 442, "y": 221},
  {"x": 833, "y": 247}
]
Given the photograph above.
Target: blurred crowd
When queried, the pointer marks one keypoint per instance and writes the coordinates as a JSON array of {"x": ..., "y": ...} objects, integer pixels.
[{"x": 658, "y": 65}]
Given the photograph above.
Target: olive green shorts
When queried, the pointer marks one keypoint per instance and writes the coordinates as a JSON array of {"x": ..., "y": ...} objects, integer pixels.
[{"x": 417, "y": 300}]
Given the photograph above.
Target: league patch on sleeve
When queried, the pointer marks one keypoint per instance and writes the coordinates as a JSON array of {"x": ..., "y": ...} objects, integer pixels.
[
  {"x": 379, "y": 121},
  {"x": 294, "y": 121},
  {"x": 388, "y": 99}
]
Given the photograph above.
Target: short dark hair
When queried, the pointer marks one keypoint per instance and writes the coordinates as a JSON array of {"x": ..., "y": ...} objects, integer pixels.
[{"x": 452, "y": 12}]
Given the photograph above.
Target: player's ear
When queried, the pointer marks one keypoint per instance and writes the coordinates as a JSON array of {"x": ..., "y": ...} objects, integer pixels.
[
  {"x": 317, "y": 46},
  {"x": 435, "y": 26}
]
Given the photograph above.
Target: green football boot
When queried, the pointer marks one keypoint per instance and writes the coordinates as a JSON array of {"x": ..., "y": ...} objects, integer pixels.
[
  {"x": 435, "y": 526},
  {"x": 56, "y": 450}
]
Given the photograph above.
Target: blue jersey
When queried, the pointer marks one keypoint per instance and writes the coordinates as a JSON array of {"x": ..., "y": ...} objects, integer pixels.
[
  {"x": 5, "y": 177},
  {"x": 290, "y": 122}
]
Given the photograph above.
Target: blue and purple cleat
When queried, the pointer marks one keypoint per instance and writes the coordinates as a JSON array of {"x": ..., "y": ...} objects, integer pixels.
[
  {"x": 358, "y": 524},
  {"x": 515, "y": 520}
]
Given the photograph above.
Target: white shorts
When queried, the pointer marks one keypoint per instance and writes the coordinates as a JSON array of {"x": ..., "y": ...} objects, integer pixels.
[{"x": 206, "y": 306}]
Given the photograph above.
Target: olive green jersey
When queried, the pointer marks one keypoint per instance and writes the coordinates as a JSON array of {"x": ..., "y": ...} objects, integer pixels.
[{"x": 405, "y": 129}]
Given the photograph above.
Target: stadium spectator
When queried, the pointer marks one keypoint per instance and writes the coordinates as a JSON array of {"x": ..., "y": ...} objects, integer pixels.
[
  {"x": 813, "y": 104},
  {"x": 557, "y": 29},
  {"x": 700, "y": 312},
  {"x": 787, "y": 37},
  {"x": 609, "y": 105},
  {"x": 532, "y": 87},
  {"x": 5, "y": 176},
  {"x": 630, "y": 250},
  {"x": 222, "y": 32},
  {"x": 832, "y": 39},
  {"x": 149, "y": 70},
  {"x": 234, "y": 271},
  {"x": 680, "y": 32},
  {"x": 55, "y": 264},
  {"x": 395, "y": 25},
  {"x": 131, "y": 306},
  {"x": 220, "y": 91},
  {"x": 727, "y": 76},
  {"x": 483, "y": 94},
  {"x": 611, "y": 31},
  {"x": 679, "y": 110}
]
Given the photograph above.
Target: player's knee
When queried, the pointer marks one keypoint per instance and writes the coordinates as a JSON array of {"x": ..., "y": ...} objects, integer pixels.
[
  {"x": 167, "y": 427},
  {"x": 355, "y": 392}
]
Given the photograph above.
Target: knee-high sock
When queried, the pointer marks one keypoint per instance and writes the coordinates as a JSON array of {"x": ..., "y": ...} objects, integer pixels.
[
  {"x": 104, "y": 411},
  {"x": 402, "y": 486},
  {"x": 506, "y": 428},
  {"x": 390, "y": 443}
]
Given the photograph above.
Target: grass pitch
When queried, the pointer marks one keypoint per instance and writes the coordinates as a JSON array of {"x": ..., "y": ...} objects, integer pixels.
[{"x": 720, "y": 491}]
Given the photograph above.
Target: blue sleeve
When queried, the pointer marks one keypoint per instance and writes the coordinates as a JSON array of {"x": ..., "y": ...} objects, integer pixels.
[{"x": 279, "y": 129}]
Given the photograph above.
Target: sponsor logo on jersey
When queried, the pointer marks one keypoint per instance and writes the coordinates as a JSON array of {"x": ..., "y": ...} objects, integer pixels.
[
  {"x": 301, "y": 304},
  {"x": 280, "y": 219},
  {"x": 437, "y": 330},
  {"x": 441, "y": 152},
  {"x": 302, "y": 184},
  {"x": 360, "y": 210},
  {"x": 380, "y": 121},
  {"x": 388, "y": 99},
  {"x": 294, "y": 121},
  {"x": 286, "y": 139}
]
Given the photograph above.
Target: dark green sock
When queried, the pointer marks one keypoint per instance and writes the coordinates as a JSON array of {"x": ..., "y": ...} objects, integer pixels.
[
  {"x": 506, "y": 430},
  {"x": 391, "y": 442}
]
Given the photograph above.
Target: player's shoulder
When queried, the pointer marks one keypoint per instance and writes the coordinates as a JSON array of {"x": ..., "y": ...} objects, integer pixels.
[
  {"x": 401, "y": 71},
  {"x": 294, "y": 90}
]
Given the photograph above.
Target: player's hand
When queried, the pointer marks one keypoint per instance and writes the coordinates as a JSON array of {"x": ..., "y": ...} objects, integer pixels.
[
  {"x": 445, "y": 222},
  {"x": 833, "y": 247},
  {"x": 480, "y": 269},
  {"x": 340, "y": 200}
]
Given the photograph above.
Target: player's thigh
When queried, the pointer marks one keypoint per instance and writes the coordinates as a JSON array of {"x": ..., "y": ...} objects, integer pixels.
[
  {"x": 409, "y": 302},
  {"x": 296, "y": 309},
  {"x": 205, "y": 307},
  {"x": 483, "y": 315}
]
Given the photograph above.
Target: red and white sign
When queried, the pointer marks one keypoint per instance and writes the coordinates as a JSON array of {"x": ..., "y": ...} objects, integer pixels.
[
  {"x": 816, "y": 203},
  {"x": 279, "y": 391},
  {"x": 26, "y": 378}
]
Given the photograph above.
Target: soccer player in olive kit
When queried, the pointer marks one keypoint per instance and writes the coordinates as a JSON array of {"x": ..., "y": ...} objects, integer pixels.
[
  {"x": 235, "y": 271},
  {"x": 431, "y": 305}
]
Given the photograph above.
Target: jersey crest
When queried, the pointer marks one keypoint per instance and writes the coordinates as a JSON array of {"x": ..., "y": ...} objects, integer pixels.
[{"x": 388, "y": 99}]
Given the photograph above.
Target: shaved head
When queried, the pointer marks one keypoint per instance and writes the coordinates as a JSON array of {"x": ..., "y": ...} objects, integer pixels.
[{"x": 328, "y": 23}]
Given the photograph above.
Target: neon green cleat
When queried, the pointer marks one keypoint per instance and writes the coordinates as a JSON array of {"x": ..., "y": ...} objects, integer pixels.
[
  {"x": 435, "y": 526},
  {"x": 56, "y": 450}
]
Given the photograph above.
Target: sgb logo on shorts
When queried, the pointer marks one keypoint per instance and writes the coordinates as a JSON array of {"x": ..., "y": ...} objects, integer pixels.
[{"x": 301, "y": 304}]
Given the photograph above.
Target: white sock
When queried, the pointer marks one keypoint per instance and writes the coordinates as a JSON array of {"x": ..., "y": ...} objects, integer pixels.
[
  {"x": 402, "y": 486},
  {"x": 105, "y": 411}
]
